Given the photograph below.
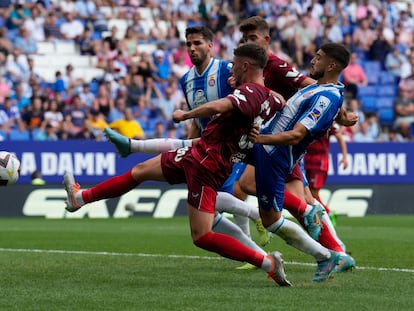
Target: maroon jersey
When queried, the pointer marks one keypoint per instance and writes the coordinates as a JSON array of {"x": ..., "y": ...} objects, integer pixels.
[
  {"x": 281, "y": 77},
  {"x": 317, "y": 153},
  {"x": 224, "y": 141}
]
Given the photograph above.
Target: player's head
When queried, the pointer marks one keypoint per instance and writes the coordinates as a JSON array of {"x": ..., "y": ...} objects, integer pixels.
[
  {"x": 255, "y": 29},
  {"x": 199, "y": 42},
  {"x": 329, "y": 61},
  {"x": 249, "y": 60}
]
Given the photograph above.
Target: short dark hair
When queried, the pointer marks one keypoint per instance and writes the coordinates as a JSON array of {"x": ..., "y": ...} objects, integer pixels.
[
  {"x": 203, "y": 30},
  {"x": 254, "y": 52},
  {"x": 254, "y": 23},
  {"x": 338, "y": 52}
]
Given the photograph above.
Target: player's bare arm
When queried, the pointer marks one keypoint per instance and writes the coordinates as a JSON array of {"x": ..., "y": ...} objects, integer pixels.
[
  {"x": 291, "y": 137},
  {"x": 204, "y": 111}
]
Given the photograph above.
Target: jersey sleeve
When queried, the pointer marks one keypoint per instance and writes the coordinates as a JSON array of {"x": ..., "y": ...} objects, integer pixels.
[
  {"x": 243, "y": 97},
  {"x": 321, "y": 112}
]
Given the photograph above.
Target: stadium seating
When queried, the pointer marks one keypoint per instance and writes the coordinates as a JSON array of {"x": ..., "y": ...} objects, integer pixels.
[
  {"x": 387, "y": 78},
  {"x": 45, "y": 48},
  {"x": 369, "y": 103},
  {"x": 369, "y": 90},
  {"x": 120, "y": 24},
  {"x": 372, "y": 71},
  {"x": 385, "y": 102},
  {"x": 386, "y": 116},
  {"x": 386, "y": 90}
]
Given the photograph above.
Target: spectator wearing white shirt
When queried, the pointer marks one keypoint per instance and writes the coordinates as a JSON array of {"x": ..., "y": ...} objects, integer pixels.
[
  {"x": 71, "y": 29},
  {"x": 35, "y": 24},
  {"x": 86, "y": 95},
  {"x": 68, "y": 6},
  {"x": 17, "y": 67}
]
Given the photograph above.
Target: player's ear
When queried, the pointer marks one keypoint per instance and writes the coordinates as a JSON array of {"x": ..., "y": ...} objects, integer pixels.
[{"x": 333, "y": 66}]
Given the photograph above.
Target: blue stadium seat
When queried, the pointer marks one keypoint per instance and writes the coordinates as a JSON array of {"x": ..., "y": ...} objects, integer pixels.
[
  {"x": 372, "y": 71},
  {"x": 385, "y": 102},
  {"x": 143, "y": 123},
  {"x": 386, "y": 116},
  {"x": 15, "y": 134},
  {"x": 369, "y": 104},
  {"x": 387, "y": 78},
  {"x": 369, "y": 90},
  {"x": 386, "y": 90}
]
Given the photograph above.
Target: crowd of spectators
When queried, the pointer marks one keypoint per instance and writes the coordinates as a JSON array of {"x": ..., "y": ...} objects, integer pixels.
[{"x": 139, "y": 90}]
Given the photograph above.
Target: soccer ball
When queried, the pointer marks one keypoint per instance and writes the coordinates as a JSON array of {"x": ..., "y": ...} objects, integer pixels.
[{"x": 9, "y": 168}]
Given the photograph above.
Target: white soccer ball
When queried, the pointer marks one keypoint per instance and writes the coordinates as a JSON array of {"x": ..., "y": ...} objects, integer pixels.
[{"x": 9, "y": 168}]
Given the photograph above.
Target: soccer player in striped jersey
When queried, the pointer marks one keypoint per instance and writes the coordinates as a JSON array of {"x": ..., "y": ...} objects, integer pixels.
[
  {"x": 282, "y": 143},
  {"x": 283, "y": 78}
]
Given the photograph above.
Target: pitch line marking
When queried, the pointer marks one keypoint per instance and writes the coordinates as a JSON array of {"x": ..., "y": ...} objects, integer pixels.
[{"x": 57, "y": 251}]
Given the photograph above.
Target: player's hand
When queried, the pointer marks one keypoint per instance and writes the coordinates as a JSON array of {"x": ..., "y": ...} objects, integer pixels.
[
  {"x": 254, "y": 133},
  {"x": 347, "y": 118},
  {"x": 178, "y": 115},
  {"x": 344, "y": 162},
  {"x": 231, "y": 82}
]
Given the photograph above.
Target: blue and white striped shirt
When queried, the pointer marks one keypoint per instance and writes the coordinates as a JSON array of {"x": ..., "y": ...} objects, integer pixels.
[{"x": 208, "y": 86}]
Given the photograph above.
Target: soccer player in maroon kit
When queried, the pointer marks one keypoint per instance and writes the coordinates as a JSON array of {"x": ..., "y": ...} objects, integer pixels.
[
  {"x": 317, "y": 161},
  {"x": 206, "y": 165}
]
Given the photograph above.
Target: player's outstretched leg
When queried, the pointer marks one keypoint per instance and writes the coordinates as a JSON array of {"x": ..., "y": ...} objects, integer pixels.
[{"x": 121, "y": 143}]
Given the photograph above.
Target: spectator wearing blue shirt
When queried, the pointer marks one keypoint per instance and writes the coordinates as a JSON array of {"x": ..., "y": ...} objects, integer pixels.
[
  {"x": 163, "y": 67},
  {"x": 10, "y": 117},
  {"x": 25, "y": 42}
]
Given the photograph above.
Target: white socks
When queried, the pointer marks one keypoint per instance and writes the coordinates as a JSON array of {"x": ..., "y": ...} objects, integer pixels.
[
  {"x": 294, "y": 235},
  {"x": 226, "y": 226},
  {"x": 225, "y": 202},
  {"x": 158, "y": 145}
]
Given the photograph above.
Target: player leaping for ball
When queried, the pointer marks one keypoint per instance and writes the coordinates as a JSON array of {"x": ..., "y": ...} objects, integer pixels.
[{"x": 205, "y": 166}]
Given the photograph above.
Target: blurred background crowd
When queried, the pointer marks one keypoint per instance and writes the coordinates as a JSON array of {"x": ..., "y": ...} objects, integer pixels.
[{"x": 70, "y": 68}]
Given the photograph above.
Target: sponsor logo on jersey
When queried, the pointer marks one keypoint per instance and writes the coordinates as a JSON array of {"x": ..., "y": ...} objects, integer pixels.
[{"x": 314, "y": 115}]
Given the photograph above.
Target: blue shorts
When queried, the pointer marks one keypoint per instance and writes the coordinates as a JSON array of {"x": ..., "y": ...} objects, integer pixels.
[
  {"x": 236, "y": 172},
  {"x": 271, "y": 175}
]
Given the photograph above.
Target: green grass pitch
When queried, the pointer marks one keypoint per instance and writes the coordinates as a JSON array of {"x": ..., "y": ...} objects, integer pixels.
[{"x": 151, "y": 264}]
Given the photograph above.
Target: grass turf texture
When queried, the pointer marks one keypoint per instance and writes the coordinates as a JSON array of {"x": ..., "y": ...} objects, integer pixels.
[{"x": 151, "y": 264}]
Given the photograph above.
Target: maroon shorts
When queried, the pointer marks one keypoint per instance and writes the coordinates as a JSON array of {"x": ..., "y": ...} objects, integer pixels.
[
  {"x": 316, "y": 179},
  {"x": 296, "y": 174},
  {"x": 179, "y": 166}
]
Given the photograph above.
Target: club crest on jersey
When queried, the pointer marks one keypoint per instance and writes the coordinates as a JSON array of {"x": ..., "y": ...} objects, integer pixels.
[{"x": 211, "y": 81}]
